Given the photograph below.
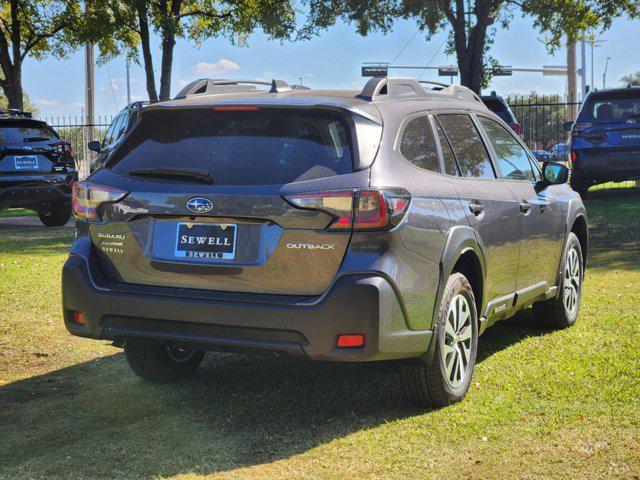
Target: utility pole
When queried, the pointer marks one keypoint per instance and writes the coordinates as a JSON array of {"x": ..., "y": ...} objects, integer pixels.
[
  {"x": 128, "y": 66},
  {"x": 89, "y": 82},
  {"x": 571, "y": 79},
  {"x": 583, "y": 61}
]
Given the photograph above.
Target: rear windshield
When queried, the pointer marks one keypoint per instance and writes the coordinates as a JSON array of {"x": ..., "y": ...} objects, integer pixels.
[
  {"x": 255, "y": 147},
  {"x": 497, "y": 107},
  {"x": 18, "y": 133},
  {"x": 612, "y": 106}
]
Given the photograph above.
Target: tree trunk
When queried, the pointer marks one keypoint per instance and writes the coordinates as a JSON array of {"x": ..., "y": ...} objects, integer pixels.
[
  {"x": 13, "y": 78},
  {"x": 470, "y": 48},
  {"x": 146, "y": 52},
  {"x": 13, "y": 88},
  {"x": 168, "y": 42},
  {"x": 170, "y": 26}
]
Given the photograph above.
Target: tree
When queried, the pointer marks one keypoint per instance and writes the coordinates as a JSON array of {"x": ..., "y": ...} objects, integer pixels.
[
  {"x": 32, "y": 28},
  {"x": 471, "y": 23},
  {"x": 631, "y": 79},
  {"x": 118, "y": 24},
  {"x": 27, "y": 104}
]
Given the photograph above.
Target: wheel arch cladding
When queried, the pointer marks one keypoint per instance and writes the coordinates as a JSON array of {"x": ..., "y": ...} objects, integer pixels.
[
  {"x": 463, "y": 254},
  {"x": 581, "y": 231}
]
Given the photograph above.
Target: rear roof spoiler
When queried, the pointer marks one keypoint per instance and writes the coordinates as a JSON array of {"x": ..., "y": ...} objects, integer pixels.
[{"x": 14, "y": 112}]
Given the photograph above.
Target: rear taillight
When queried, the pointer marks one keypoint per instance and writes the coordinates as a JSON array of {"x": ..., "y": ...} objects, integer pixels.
[
  {"x": 87, "y": 198},
  {"x": 357, "y": 209},
  {"x": 574, "y": 157},
  {"x": 516, "y": 127},
  {"x": 63, "y": 148},
  {"x": 580, "y": 127}
]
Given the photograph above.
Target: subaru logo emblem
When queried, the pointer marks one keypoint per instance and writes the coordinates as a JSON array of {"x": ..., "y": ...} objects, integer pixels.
[
  {"x": 199, "y": 205},
  {"x": 27, "y": 147}
]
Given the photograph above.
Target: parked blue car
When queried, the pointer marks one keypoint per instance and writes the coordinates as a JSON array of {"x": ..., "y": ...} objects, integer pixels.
[{"x": 605, "y": 139}]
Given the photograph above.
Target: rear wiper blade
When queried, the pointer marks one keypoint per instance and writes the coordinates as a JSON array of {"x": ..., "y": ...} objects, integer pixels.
[
  {"x": 35, "y": 139},
  {"x": 202, "y": 176}
]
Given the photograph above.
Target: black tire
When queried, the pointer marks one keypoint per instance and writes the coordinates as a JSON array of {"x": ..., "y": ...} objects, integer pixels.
[
  {"x": 554, "y": 312},
  {"x": 55, "y": 214},
  {"x": 159, "y": 362},
  {"x": 425, "y": 381}
]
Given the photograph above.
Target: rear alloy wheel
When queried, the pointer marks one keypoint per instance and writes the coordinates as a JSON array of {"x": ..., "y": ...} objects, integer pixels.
[
  {"x": 562, "y": 311},
  {"x": 55, "y": 214},
  {"x": 161, "y": 362},
  {"x": 445, "y": 378}
]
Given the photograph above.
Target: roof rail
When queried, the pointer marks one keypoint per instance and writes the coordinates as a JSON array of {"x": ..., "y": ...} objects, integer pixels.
[
  {"x": 378, "y": 88},
  {"x": 217, "y": 86},
  {"x": 15, "y": 112}
]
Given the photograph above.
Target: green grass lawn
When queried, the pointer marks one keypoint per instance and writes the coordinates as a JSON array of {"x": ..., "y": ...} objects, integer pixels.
[
  {"x": 16, "y": 212},
  {"x": 543, "y": 404}
]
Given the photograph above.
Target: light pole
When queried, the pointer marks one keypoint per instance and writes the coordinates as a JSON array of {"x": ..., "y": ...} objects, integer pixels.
[
  {"x": 128, "y": 66},
  {"x": 604, "y": 74}
]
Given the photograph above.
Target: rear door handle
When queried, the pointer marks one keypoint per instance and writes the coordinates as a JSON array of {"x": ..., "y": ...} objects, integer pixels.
[
  {"x": 476, "y": 208},
  {"x": 525, "y": 207}
]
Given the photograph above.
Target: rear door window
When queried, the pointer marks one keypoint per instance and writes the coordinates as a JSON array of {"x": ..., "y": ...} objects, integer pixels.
[
  {"x": 419, "y": 146},
  {"x": 512, "y": 157},
  {"x": 254, "y": 146},
  {"x": 467, "y": 146}
]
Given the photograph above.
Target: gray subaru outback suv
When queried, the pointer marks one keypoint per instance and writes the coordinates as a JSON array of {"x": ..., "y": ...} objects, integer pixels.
[{"x": 393, "y": 223}]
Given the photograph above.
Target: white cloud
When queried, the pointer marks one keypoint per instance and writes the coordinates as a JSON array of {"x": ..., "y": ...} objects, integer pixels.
[
  {"x": 76, "y": 105},
  {"x": 183, "y": 82},
  {"x": 221, "y": 66},
  {"x": 47, "y": 102}
]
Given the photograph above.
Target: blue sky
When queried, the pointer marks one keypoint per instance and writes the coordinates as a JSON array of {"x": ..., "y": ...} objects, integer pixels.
[{"x": 332, "y": 60}]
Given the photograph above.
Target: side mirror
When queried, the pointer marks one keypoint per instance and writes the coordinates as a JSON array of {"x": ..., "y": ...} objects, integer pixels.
[
  {"x": 567, "y": 126},
  {"x": 555, "y": 173},
  {"x": 94, "y": 146}
]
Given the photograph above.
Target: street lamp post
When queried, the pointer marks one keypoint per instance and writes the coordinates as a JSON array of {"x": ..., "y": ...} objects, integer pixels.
[{"x": 604, "y": 74}]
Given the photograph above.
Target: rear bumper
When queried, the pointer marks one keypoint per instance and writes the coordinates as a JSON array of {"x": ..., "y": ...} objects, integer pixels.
[
  {"x": 601, "y": 165},
  {"x": 355, "y": 304},
  {"x": 30, "y": 190}
]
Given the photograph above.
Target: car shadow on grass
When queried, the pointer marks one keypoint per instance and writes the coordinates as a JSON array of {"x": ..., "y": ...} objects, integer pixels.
[{"x": 96, "y": 419}]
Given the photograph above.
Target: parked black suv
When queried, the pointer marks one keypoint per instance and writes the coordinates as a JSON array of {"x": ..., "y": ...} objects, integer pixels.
[
  {"x": 36, "y": 168},
  {"x": 500, "y": 107},
  {"x": 392, "y": 223},
  {"x": 118, "y": 128},
  {"x": 605, "y": 139}
]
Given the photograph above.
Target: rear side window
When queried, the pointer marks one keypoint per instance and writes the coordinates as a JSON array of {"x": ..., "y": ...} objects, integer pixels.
[
  {"x": 467, "y": 145},
  {"x": 114, "y": 130},
  {"x": 612, "y": 107},
  {"x": 450, "y": 166},
  {"x": 418, "y": 145},
  {"x": 249, "y": 147},
  {"x": 512, "y": 158},
  {"x": 18, "y": 133}
]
